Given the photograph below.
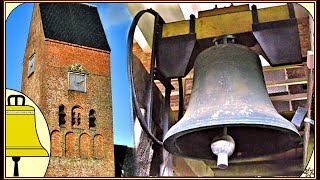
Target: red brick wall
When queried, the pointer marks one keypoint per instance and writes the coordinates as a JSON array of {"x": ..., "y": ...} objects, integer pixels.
[
  {"x": 32, "y": 86},
  {"x": 98, "y": 147},
  {"x": 142, "y": 56},
  {"x": 71, "y": 147},
  {"x": 85, "y": 146},
  {"x": 304, "y": 32},
  {"x": 48, "y": 87},
  {"x": 56, "y": 148}
]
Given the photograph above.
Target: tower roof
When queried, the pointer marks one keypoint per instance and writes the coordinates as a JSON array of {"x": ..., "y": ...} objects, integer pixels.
[{"x": 74, "y": 23}]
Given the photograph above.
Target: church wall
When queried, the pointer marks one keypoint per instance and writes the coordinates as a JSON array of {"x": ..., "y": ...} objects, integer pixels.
[{"x": 76, "y": 149}]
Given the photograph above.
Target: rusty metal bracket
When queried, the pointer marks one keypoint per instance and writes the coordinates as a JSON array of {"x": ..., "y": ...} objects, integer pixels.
[
  {"x": 279, "y": 40},
  {"x": 165, "y": 82},
  {"x": 177, "y": 53}
]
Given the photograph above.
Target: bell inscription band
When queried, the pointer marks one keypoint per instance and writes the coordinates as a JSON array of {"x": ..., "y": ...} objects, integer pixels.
[
  {"x": 230, "y": 112},
  {"x": 21, "y": 134}
]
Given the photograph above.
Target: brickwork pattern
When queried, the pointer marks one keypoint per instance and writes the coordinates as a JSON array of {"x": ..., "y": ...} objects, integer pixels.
[
  {"x": 85, "y": 146},
  {"x": 304, "y": 33},
  {"x": 142, "y": 56},
  {"x": 72, "y": 146}
]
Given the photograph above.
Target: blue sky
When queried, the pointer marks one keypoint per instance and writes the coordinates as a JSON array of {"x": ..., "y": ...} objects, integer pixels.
[{"x": 116, "y": 21}]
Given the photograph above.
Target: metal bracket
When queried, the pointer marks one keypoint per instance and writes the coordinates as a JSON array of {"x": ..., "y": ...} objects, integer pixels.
[
  {"x": 192, "y": 27},
  {"x": 177, "y": 54},
  {"x": 299, "y": 116},
  {"x": 165, "y": 82},
  {"x": 308, "y": 120},
  {"x": 279, "y": 40}
]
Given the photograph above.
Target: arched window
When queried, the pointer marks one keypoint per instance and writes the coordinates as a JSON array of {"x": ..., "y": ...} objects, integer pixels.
[
  {"x": 62, "y": 115},
  {"x": 85, "y": 146},
  {"x": 56, "y": 149},
  {"x": 76, "y": 114},
  {"x": 98, "y": 147},
  {"x": 71, "y": 146},
  {"x": 92, "y": 118}
]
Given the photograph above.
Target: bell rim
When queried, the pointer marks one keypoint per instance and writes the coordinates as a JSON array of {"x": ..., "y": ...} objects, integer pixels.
[
  {"x": 227, "y": 125},
  {"x": 242, "y": 122},
  {"x": 168, "y": 140}
]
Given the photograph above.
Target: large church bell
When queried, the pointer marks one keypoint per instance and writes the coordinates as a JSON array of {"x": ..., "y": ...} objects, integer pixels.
[
  {"x": 230, "y": 103},
  {"x": 230, "y": 114}
]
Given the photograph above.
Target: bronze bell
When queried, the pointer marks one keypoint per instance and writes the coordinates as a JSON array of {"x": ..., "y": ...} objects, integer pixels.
[{"x": 230, "y": 105}]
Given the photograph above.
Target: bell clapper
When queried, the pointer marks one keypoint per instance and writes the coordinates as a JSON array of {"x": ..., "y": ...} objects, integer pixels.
[
  {"x": 16, "y": 168},
  {"x": 223, "y": 146}
]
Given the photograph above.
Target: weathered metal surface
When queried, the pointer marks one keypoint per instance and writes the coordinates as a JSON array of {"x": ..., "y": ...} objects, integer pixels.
[
  {"x": 279, "y": 40},
  {"x": 229, "y": 90},
  {"x": 233, "y": 23},
  {"x": 299, "y": 116},
  {"x": 176, "y": 55}
]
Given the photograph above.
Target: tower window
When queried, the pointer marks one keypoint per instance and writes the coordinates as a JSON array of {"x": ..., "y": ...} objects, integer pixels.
[
  {"x": 76, "y": 115},
  {"x": 31, "y": 64},
  {"x": 62, "y": 116},
  {"x": 92, "y": 118}
]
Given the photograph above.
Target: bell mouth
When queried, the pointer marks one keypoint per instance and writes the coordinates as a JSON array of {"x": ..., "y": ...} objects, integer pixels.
[
  {"x": 251, "y": 141},
  {"x": 229, "y": 91}
]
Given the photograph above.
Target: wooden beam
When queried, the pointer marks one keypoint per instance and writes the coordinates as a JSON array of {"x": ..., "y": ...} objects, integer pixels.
[
  {"x": 265, "y": 69},
  {"x": 287, "y": 155},
  {"x": 306, "y": 137},
  {"x": 270, "y": 68},
  {"x": 285, "y": 168},
  {"x": 176, "y": 93},
  {"x": 294, "y": 81},
  {"x": 218, "y": 11},
  {"x": 184, "y": 85},
  {"x": 199, "y": 167},
  {"x": 290, "y": 97},
  {"x": 232, "y": 23},
  {"x": 181, "y": 168},
  {"x": 285, "y": 82}
]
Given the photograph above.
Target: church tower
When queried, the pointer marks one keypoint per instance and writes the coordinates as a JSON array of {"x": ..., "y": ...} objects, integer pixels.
[{"x": 66, "y": 72}]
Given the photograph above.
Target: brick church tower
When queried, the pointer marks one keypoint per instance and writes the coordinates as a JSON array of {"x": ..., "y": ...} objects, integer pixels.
[{"x": 66, "y": 71}]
